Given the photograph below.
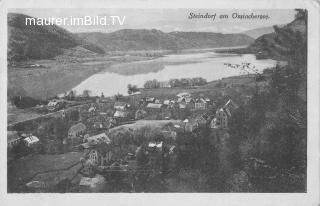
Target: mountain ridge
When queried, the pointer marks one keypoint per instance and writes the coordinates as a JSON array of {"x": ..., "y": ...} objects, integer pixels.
[{"x": 27, "y": 42}]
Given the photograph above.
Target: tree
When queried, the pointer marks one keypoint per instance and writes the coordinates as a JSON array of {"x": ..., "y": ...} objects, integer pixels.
[
  {"x": 86, "y": 93},
  {"x": 118, "y": 97},
  {"x": 72, "y": 95},
  {"x": 132, "y": 89}
]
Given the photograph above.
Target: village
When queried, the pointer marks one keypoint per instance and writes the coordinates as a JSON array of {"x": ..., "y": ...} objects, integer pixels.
[{"x": 118, "y": 136}]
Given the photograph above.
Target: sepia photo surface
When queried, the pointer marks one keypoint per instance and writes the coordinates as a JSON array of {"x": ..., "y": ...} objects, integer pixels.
[
  {"x": 158, "y": 100},
  {"x": 100, "y": 101}
]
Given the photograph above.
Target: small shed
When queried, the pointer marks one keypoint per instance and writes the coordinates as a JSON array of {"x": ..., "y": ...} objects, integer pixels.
[
  {"x": 154, "y": 106},
  {"x": 31, "y": 140}
]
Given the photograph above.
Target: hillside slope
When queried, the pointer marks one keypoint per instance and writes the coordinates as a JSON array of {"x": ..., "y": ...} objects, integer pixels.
[
  {"x": 44, "y": 42},
  {"x": 279, "y": 43},
  {"x": 141, "y": 39},
  {"x": 255, "y": 33},
  {"x": 39, "y": 42}
]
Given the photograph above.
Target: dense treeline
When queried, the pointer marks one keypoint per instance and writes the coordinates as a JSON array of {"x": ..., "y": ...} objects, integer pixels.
[
  {"x": 183, "y": 82},
  {"x": 272, "y": 127}
]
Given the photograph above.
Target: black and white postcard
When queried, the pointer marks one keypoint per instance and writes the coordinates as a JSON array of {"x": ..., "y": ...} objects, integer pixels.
[{"x": 183, "y": 103}]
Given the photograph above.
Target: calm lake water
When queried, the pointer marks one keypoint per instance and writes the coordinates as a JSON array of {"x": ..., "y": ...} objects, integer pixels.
[{"x": 209, "y": 65}]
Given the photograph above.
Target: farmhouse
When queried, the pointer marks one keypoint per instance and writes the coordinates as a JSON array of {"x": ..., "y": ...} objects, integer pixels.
[
  {"x": 200, "y": 104},
  {"x": 186, "y": 100},
  {"x": 121, "y": 106},
  {"x": 221, "y": 119},
  {"x": 31, "y": 140},
  {"x": 184, "y": 94},
  {"x": 55, "y": 104}
]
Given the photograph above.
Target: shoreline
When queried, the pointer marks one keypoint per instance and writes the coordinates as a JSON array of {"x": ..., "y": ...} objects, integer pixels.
[{"x": 54, "y": 77}]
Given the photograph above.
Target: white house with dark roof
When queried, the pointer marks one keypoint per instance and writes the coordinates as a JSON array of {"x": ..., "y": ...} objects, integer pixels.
[
  {"x": 200, "y": 104},
  {"x": 31, "y": 140},
  {"x": 121, "y": 106},
  {"x": 154, "y": 106}
]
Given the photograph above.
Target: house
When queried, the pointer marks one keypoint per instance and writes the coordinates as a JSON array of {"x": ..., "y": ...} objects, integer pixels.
[
  {"x": 214, "y": 124},
  {"x": 150, "y": 99},
  {"x": 190, "y": 126},
  {"x": 167, "y": 102},
  {"x": 185, "y": 100},
  {"x": 97, "y": 139},
  {"x": 56, "y": 104},
  {"x": 121, "y": 106},
  {"x": 100, "y": 155},
  {"x": 207, "y": 99},
  {"x": 158, "y": 146},
  {"x": 92, "y": 109},
  {"x": 120, "y": 114},
  {"x": 184, "y": 94},
  {"x": 31, "y": 140},
  {"x": 13, "y": 139},
  {"x": 200, "y": 104},
  {"x": 157, "y": 101},
  {"x": 77, "y": 130},
  {"x": 182, "y": 105},
  {"x": 221, "y": 119},
  {"x": 95, "y": 184},
  {"x": 154, "y": 106},
  {"x": 231, "y": 105}
]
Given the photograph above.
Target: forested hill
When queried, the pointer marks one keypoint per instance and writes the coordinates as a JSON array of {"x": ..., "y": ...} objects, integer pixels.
[
  {"x": 281, "y": 43},
  {"x": 40, "y": 42},
  {"x": 142, "y": 39}
]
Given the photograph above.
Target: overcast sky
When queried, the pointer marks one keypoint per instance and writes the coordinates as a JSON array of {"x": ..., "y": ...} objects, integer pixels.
[{"x": 166, "y": 20}]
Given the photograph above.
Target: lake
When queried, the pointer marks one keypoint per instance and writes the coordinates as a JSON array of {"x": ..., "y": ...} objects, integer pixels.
[{"x": 209, "y": 65}]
